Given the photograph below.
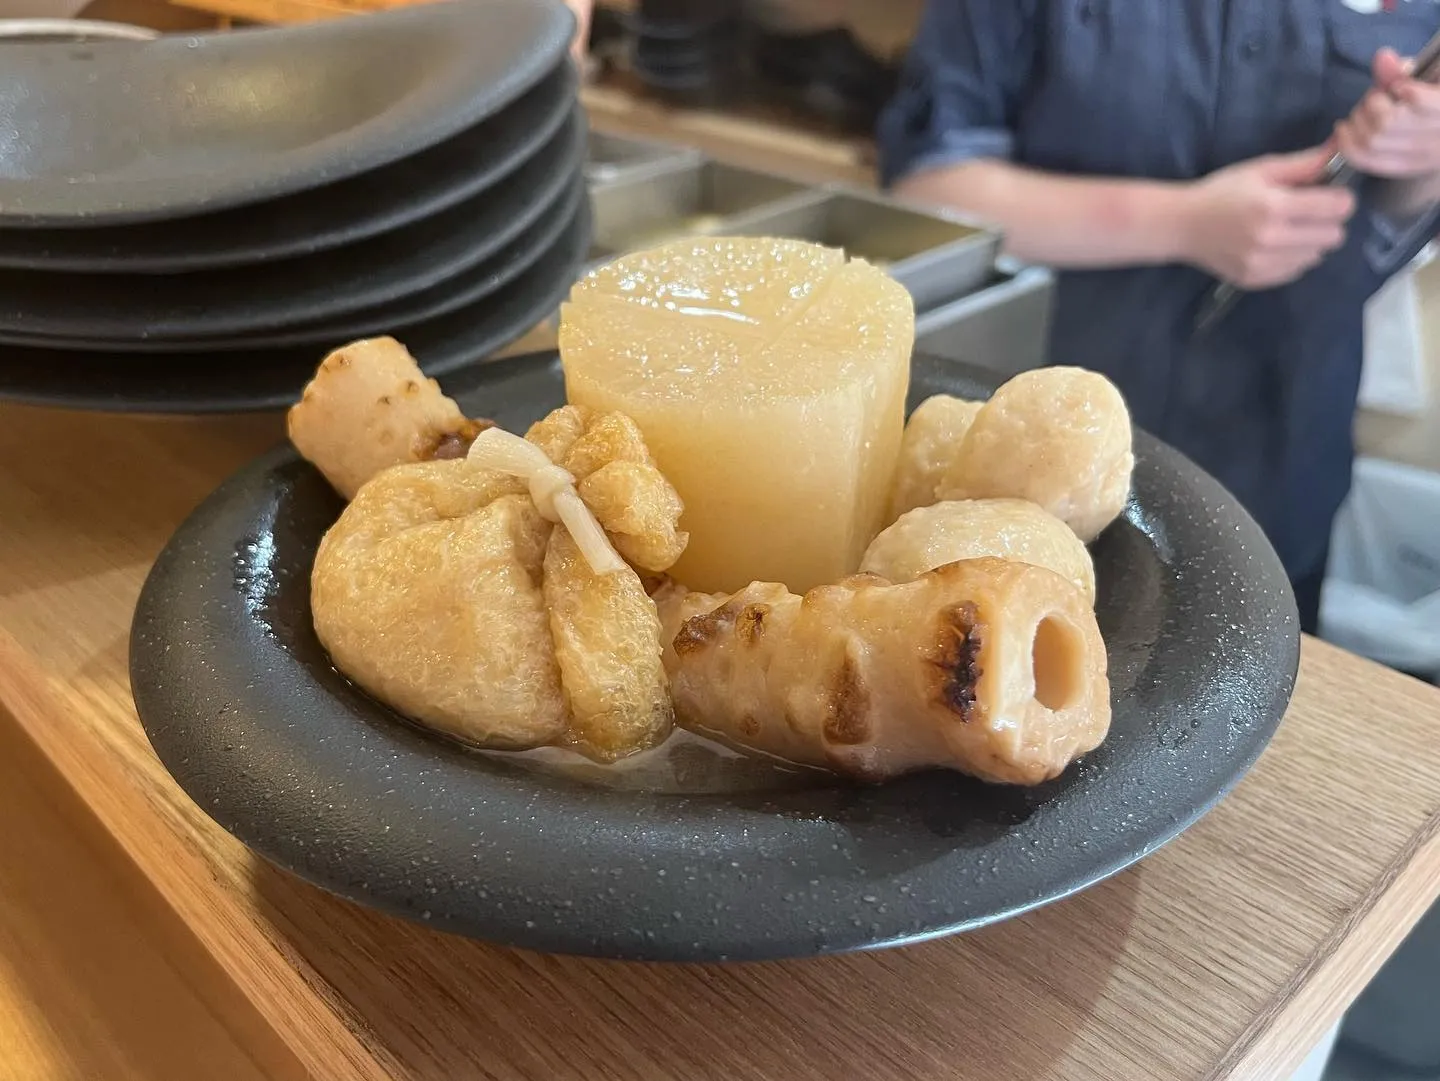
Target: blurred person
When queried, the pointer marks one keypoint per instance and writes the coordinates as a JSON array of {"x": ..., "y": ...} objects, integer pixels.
[
  {"x": 1147, "y": 149},
  {"x": 582, "y": 10}
]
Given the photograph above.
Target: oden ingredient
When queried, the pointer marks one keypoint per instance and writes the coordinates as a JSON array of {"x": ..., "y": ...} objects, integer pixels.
[
  {"x": 993, "y": 668},
  {"x": 484, "y": 597},
  {"x": 606, "y": 633},
  {"x": 1059, "y": 437},
  {"x": 370, "y": 407},
  {"x": 930, "y": 537},
  {"x": 933, "y": 435},
  {"x": 618, "y": 481},
  {"x": 426, "y": 594},
  {"x": 769, "y": 380}
]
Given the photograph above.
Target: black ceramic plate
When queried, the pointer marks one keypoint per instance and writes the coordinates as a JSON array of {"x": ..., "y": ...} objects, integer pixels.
[
  {"x": 465, "y": 289},
  {"x": 82, "y": 311},
  {"x": 562, "y": 219},
  {"x": 696, "y": 856},
  {"x": 317, "y": 220},
  {"x": 114, "y": 132},
  {"x": 272, "y": 379}
]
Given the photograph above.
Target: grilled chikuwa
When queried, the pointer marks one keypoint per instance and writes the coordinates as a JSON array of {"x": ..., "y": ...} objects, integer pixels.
[{"x": 990, "y": 667}]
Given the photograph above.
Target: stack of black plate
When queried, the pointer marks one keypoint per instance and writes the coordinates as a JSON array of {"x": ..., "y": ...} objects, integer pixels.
[
  {"x": 689, "y": 51},
  {"x": 190, "y": 223}
]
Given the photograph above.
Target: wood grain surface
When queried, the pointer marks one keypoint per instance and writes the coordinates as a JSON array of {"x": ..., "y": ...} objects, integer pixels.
[
  {"x": 1224, "y": 955},
  {"x": 85, "y": 994}
]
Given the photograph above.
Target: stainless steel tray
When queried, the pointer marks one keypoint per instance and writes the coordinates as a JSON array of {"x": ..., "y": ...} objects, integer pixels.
[
  {"x": 611, "y": 157},
  {"x": 1003, "y": 326},
  {"x": 937, "y": 257},
  {"x": 696, "y": 199}
]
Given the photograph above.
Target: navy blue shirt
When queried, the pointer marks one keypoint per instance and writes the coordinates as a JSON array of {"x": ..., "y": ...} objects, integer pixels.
[{"x": 1174, "y": 89}]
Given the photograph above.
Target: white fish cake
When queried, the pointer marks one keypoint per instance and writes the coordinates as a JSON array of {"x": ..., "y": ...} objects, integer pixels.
[
  {"x": 1058, "y": 437},
  {"x": 1013, "y": 529},
  {"x": 369, "y": 407},
  {"x": 933, "y": 437}
]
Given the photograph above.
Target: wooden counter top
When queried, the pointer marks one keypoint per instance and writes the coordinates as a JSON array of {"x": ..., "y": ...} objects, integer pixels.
[{"x": 1225, "y": 955}]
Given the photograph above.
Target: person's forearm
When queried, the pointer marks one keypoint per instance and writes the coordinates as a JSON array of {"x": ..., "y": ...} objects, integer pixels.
[{"x": 1062, "y": 221}]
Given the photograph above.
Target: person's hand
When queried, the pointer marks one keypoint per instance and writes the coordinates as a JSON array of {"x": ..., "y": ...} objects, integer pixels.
[
  {"x": 582, "y": 10},
  {"x": 1260, "y": 223},
  {"x": 1395, "y": 130}
]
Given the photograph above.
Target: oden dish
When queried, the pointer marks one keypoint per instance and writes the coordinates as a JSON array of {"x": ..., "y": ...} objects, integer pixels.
[
  {"x": 769, "y": 378},
  {"x": 700, "y": 536}
]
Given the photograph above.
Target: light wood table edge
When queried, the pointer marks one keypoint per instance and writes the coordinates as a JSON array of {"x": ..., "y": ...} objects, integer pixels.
[
  {"x": 290, "y": 1020},
  {"x": 1278, "y": 1041},
  {"x": 277, "y": 12}
]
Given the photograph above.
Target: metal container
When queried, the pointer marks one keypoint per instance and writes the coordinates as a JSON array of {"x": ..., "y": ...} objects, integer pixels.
[
  {"x": 937, "y": 257},
  {"x": 699, "y": 199},
  {"x": 1004, "y": 326},
  {"x": 613, "y": 156}
]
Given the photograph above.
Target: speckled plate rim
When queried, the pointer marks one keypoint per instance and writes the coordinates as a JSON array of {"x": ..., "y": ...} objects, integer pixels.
[{"x": 280, "y": 750}]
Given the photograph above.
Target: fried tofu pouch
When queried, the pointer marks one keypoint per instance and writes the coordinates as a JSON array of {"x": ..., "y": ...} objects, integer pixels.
[
  {"x": 605, "y": 628},
  {"x": 370, "y": 407},
  {"x": 606, "y": 637},
  {"x": 1014, "y": 529},
  {"x": 618, "y": 480},
  {"x": 426, "y": 593},
  {"x": 455, "y": 592},
  {"x": 990, "y": 667}
]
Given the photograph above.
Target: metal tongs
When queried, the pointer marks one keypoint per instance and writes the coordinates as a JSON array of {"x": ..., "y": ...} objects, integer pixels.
[{"x": 1338, "y": 173}]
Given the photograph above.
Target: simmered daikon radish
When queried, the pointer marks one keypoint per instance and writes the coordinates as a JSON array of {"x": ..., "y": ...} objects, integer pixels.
[{"x": 769, "y": 380}]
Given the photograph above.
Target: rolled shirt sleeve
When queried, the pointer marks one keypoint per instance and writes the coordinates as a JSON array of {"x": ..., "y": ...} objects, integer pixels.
[{"x": 963, "y": 77}]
